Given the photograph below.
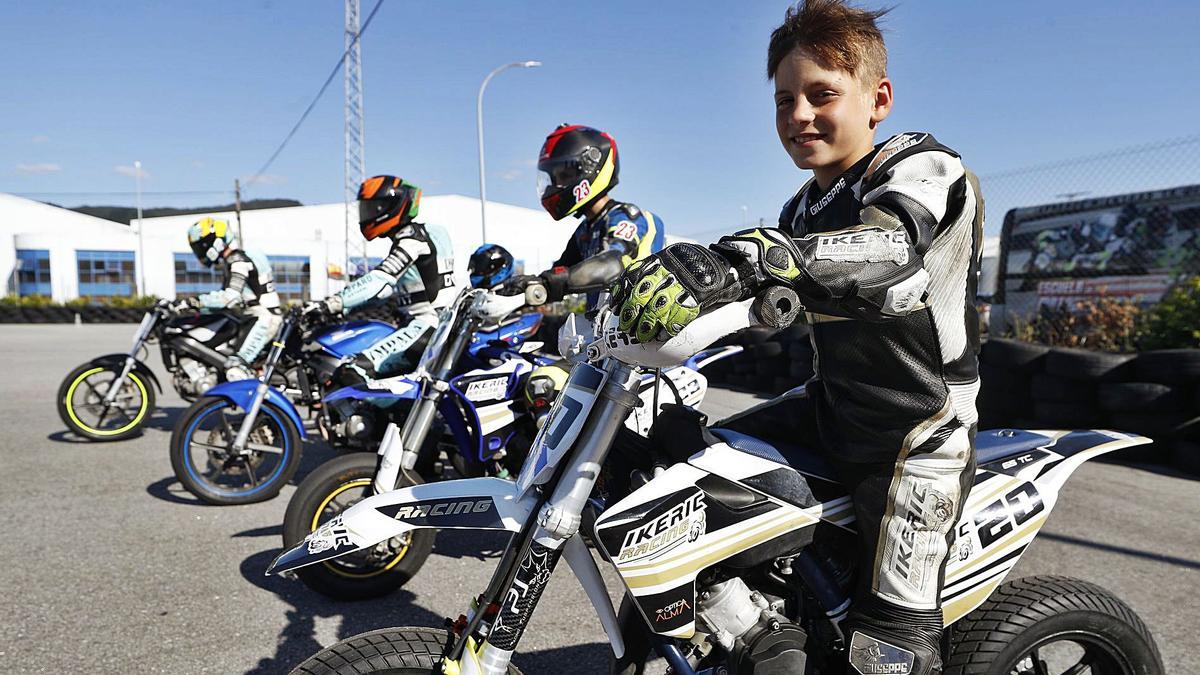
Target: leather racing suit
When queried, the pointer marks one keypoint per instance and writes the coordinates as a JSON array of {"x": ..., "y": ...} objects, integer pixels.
[
  {"x": 890, "y": 256},
  {"x": 619, "y": 229},
  {"x": 418, "y": 274},
  {"x": 250, "y": 287}
]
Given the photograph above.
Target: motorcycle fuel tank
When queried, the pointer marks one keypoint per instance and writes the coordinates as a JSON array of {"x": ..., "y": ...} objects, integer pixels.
[{"x": 352, "y": 337}]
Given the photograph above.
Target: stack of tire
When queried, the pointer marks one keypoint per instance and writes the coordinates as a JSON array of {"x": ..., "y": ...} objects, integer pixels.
[
  {"x": 1153, "y": 393},
  {"x": 771, "y": 363}
]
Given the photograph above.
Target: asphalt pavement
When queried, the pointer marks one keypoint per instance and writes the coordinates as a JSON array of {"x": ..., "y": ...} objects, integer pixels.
[{"x": 108, "y": 566}]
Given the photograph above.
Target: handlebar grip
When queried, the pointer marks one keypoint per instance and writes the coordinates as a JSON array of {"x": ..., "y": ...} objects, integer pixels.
[
  {"x": 777, "y": 307},
  {"x": 536, "y": 295}
]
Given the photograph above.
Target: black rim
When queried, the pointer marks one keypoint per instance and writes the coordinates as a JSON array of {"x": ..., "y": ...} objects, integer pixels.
[{"x": 1072, "y": 653}]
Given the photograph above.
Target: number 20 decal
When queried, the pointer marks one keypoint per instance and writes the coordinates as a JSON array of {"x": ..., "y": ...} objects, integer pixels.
[{"x": 1004, "y": 515}]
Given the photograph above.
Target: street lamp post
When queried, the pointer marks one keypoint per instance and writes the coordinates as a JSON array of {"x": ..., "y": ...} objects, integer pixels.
[
  {"x": 479, "y": 126},
  {"x": 141, "y": 259}
]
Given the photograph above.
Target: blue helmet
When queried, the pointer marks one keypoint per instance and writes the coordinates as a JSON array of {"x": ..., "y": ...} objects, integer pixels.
[{"x": 490, "y": 266}]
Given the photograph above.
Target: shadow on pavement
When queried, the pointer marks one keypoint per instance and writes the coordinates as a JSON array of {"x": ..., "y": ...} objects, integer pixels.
[
  {"x": 269, "y": 531},
  {"x": 298, "y": 640},
  {"x": 65, "y": 436},
  {"x": 589, "y": 658},
  {"x": 475, "y": 544},
  {"x": 164, "y": 419},
  {"x": 1122, "y": 550},
  {"x": 169, "y": 489}
]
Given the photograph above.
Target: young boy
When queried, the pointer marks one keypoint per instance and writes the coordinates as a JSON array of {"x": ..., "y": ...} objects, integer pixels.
[{"x": 882, "y": 246}]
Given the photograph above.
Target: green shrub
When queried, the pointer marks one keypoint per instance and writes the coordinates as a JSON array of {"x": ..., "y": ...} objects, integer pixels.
[
  {"x": 1104, "y": 325},
  {"x": 1174, "y": 322}
]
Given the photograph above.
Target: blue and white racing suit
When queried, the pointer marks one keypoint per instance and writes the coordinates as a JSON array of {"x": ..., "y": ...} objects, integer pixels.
[{"x": 249, "y": 287}]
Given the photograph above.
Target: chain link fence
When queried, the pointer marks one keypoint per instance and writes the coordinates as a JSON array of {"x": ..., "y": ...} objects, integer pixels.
[{"x": 1091, "y": 248}]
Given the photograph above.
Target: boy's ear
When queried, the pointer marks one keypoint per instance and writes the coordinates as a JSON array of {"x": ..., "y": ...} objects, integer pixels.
[{"x": 882, "y": 105}]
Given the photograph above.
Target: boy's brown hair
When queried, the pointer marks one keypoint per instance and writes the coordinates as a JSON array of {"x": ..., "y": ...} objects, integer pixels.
[{"x": 835, "y": 34}]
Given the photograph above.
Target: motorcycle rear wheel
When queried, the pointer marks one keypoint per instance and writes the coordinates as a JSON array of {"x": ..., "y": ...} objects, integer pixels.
[
  {"x": 329, "y": 490},
  {"x": 80, "y": 403},
  {"x": 1048, "y": 624},
  {"x": 391, "y": 651}
]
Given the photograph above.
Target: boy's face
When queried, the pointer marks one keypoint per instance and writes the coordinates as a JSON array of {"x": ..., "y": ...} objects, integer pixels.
[{"x": 826, "y": 118}]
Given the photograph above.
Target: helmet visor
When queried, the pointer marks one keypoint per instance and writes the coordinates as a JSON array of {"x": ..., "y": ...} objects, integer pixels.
[
  {"x": 554, "y": 175},
  {"x": 372, "y": 210}
]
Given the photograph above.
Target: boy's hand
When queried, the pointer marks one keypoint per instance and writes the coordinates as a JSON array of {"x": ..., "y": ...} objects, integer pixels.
[{"x": 669, "y": 289}]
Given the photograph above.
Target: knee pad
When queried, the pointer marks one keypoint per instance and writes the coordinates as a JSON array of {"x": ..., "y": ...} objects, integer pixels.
[{"x": 543, "y": 386}]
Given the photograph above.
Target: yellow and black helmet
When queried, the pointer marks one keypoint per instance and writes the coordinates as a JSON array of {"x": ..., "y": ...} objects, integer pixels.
[
  {"x": 577, "y": 166},
  {"x": 209, "y": 238}
]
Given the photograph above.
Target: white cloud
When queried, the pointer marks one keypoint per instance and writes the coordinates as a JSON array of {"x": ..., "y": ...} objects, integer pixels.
[
  {"x": 197, "y": 164},
  {"x": 130, "y": 171},
  {"x": 38, "y": 168},
  {"x": 40, "y": 139},
  {"x": 511, "y": 175},
  {"x": 265, "y": 179}
]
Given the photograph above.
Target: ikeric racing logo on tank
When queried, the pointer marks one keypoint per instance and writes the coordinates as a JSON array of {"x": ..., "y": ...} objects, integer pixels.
[{"x": 682, "y": 522}]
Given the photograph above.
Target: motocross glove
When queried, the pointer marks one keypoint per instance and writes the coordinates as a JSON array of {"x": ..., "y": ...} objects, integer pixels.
[{"x": 666, "y": 291}]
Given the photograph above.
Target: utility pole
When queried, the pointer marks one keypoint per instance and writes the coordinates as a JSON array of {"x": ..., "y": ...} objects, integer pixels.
[
  {"x": 355, "y": 164},
  {"x": 237, "y": 207},
  {"x": 141, "y": 254}
]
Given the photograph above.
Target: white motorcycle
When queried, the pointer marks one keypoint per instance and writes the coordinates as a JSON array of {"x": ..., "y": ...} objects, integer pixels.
[{"x": 736, "y": 555}]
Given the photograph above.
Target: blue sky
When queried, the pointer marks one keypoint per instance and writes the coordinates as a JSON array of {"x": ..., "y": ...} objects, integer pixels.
[{"x": 202, "y": 93}]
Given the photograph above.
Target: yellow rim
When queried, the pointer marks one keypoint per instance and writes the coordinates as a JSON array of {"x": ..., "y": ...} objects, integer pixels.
[
  {"x": 112, "y": 432},
  {"x": 361, "y": 482}
]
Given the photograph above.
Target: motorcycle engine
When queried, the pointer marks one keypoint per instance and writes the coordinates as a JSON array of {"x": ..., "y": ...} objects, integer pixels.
[
  {"x": 759, "y": 640},
  {"x": 194, "y": 378}
]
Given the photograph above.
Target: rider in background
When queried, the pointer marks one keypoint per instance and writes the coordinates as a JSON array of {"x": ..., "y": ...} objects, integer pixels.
[
  {"x": 577, "y": 167},
  {"x": 882, "y": 245},
  {"x": 248, "y": 287},
  {"x": 418, "y": 274}
]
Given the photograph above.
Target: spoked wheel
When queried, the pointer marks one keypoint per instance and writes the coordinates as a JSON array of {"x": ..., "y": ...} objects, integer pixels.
[
  {"x": 329, "y": 490},
  {"x": 1052, "y": 626},
  {"x": 391, "y": 651},
  {"x": 205, "y": 463},
  {"x": 83, "y": 408}
]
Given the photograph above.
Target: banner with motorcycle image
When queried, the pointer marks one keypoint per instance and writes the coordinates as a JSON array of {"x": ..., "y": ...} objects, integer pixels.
[{"x": 1128, "y": 248}]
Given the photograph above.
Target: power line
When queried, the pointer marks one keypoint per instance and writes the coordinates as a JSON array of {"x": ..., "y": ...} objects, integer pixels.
[
  {"x": 1120, "y": 152},
  {"x": 122, "y": 194},
  {"x": 332, "y": 74}
]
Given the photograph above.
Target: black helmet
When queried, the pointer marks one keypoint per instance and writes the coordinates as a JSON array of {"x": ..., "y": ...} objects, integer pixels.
[
  {"x": 385, "y": 204},
  {"x": 490, "y": 266},
  {"x": 577, "y": 166}
]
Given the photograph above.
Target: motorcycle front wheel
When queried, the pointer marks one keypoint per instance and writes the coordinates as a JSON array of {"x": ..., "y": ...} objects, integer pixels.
[
  {"x": 204, "y": 461},
  {"x": 329, "y": 490},
  {"x": 394, "y": 651},
  {"x": 82, "y": 407}
]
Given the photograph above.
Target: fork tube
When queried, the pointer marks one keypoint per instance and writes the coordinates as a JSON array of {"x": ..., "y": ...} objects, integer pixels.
[
  {"x": 138, "y": 339},
  {"x": 260, "y": 392}
]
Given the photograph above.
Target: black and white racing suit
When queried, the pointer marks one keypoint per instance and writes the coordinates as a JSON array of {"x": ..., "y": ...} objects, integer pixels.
[
  {"x": 418, "y": 275},
  {"x": 249, "y": 286},
  {"x": 891, "y": 251}
]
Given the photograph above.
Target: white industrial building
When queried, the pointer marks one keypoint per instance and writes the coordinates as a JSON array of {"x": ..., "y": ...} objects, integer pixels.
[{"x": 52, "y": 251}]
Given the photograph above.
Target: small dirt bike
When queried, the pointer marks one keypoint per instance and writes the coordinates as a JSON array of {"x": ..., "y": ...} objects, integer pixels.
[
  {"x": 110, "y": 397},
  {"x": 241, "y": 441},
  {"x": 475, "y": 387},
  {"x": 737, "y": 556}
]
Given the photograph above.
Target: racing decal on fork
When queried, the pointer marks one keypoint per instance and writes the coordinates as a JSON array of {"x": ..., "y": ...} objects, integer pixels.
[{"x": 523, "y": 594}]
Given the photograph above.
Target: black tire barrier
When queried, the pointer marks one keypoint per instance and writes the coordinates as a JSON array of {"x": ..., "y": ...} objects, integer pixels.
[
  {"x": 1047, "y": 387},
  {"x": 1168, "y": 366},
  {"x": 1014, "y": 355},
  {"x": 1060, "y": 415},
  {"x": 1121, "y": 397},
  {"x": 1158, "y": 425},
  {"x": 1185, "y": 456},
  {"x": 1081, "y": 364}
]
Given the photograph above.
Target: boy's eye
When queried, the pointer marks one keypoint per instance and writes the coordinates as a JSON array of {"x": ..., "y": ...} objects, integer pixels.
[{"x": 783, "y": 102}]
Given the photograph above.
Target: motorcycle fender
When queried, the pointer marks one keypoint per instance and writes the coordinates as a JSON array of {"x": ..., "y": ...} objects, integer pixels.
[
  {"x": 584, "y": 566},
  {"x": 465, "y": 504},
  {"x": 118, "y": 361},
  {"x": 241, "y": 392}
]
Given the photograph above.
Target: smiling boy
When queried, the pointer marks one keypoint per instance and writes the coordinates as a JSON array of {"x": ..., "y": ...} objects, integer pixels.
[{"x": 882, "y": 245}]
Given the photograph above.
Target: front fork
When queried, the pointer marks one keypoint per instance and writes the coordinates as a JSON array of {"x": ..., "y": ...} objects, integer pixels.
[
  {"x": 520, "y": 579},
  {"x": 139, "y": 339},
  {"x": 260, "y": 392}
]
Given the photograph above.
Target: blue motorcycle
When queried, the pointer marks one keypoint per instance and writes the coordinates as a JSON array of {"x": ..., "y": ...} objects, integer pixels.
[
  {"x": 241, "y": 441},
  {"x": 472, "y": 378}
]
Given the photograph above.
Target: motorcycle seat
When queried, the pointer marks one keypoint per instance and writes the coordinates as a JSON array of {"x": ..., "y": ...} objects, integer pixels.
[{"x": 802, "y": 459}]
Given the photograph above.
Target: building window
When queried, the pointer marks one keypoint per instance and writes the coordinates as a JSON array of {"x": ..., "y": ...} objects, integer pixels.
[
  {"x": 193, "y": 278},
  {"x": 33, "y": 272},
  {"x": 291, "y": 274},
  {"x": 356, "y": 266},
  {"x": 106, "y": 274}
]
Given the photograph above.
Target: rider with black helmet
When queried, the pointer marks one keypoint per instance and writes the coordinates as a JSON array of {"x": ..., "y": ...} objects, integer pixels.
[
  {"x": 490, "y": 266},
  {"x": 417, "y": 273}
]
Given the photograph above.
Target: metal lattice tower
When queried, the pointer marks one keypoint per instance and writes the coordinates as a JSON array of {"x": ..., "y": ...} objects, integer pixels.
[{"x": 356, "y": 250}]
